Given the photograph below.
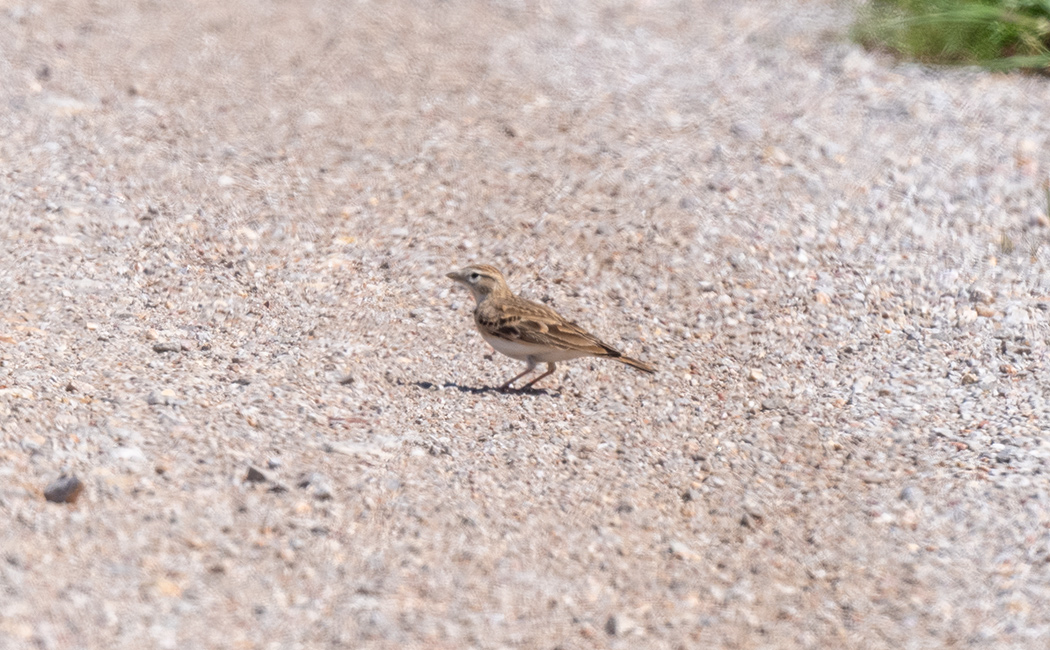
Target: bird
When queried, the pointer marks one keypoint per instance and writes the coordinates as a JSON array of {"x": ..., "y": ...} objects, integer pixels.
[{"x": 527, "y": 330}]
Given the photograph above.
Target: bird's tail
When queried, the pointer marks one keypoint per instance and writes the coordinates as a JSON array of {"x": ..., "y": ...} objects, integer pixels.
[{"x": 635, "y": 363}]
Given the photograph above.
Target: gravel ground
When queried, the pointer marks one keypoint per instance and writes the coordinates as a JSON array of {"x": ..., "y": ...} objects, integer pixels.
[{"x": 225, "y": 229}]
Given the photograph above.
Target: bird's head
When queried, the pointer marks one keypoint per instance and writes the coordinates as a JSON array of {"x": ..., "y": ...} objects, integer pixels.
[{"x": 482, "y": 280}]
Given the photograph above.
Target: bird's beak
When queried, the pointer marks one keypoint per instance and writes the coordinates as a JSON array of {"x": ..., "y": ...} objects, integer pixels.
[{"x": 455, "y": 275}]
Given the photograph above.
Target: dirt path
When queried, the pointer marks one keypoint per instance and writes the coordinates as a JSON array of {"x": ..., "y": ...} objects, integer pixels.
[{"x": 224, "y": 229}]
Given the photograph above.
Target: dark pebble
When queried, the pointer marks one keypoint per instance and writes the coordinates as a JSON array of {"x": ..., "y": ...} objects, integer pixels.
[
  {"x": 256, "y": 475},
  {"x": 65, "y": 489}
]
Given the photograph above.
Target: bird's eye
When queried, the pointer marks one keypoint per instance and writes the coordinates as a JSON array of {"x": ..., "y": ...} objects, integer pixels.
[{"x": 475, "y": 275}]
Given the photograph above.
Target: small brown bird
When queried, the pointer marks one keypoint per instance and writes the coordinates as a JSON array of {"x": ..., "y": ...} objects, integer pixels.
[{"x": 526, "y": 330}]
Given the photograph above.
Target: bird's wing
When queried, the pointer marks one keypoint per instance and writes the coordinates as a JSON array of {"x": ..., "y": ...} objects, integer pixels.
[{"x": 531, "y": 322}]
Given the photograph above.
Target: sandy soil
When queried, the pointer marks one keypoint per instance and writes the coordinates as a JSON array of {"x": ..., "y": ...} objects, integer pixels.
[{"x": 224, "y": 229}]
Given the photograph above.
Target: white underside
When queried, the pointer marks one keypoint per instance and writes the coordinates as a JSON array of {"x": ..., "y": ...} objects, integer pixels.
[{"x": 530, "y": 352}]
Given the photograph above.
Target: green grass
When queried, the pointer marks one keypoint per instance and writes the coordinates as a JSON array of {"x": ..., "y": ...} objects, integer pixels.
[{"x": 998, "y": 34}]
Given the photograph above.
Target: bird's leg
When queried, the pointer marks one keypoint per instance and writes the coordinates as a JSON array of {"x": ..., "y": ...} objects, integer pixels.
[
  {"x": 550, "y": 369},
  {"x": 528, "y": 369}
]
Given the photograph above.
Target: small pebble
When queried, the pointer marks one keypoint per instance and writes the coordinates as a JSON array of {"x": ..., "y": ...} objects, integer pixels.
[
  {"x": 65, "y": 489},
  {"x": 130, "y": 454},
  {"x": 746, "y": 131},
  {"x": 773, "y": 403},
  {"x": 318, "y": 485},
  {"x": 619, "y": 625},
  {"x": 166, "y": 397},
  {"x": 256, "y": 475},
  {"x": 681, "y": 551}
]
